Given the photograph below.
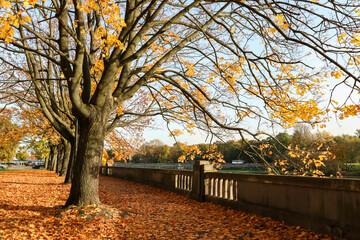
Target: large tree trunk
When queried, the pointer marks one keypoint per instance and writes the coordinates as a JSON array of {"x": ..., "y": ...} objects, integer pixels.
[{"x": 85, "y": 181}]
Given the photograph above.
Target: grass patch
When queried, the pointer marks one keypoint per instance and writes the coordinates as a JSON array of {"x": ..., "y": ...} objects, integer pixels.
[
  {"x": 11, "y": 169},
  {"x": 353, "y": 166}
]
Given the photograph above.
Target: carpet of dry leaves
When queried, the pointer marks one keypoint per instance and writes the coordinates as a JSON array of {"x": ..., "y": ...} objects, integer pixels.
[{"x": 31, "y": 200}]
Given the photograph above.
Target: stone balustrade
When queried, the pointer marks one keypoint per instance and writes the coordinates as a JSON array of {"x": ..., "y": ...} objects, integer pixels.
[{"x": 324, "y": 205}]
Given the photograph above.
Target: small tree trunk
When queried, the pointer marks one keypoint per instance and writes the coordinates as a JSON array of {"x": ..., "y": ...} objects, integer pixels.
[
  {"x": 70, "y": 168},
  {"x": 74, "y": 144},
  {"x": 47, "y": 162},
  {"x": 50, "y": 159},
  {"x": 66, "y": 158},
  {"x": 85, "y": 181},
  {"x": 60, "y": 157},
  {"x": 54, "y": 155}
]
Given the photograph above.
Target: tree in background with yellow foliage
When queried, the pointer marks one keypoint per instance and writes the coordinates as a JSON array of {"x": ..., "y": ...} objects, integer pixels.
[{"x": 10, "y": 136}]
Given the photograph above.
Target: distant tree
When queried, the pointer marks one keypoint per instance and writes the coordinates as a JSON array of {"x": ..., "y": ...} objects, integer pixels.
[
  {"x": 40, "y": 148},
  {"x": 175, "y": 152},
  {"x": 357, "y": 133},
  {"x": 323, "y": 136},
  {"x": 10, "y": 136},
  {"x": 284, "y": 138},
  {"x": 231, "y": 150},
  {"x": 347, "y": 148},
  {"x": 281, "y": 142},
  {"x": 22, "y": 155},
  {"x": 302, "y": 136},
  {"x": 153, "y": 151},
  {"x": 203, "y": 147}
]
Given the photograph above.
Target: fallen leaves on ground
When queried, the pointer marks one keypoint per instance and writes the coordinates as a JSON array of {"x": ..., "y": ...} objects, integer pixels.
[{"x": 31, "y": 208}]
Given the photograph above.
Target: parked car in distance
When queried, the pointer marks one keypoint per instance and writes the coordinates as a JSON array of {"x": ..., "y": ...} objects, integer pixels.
[
  {"x": 237, "y": 162},
  {"x": 38, "y": 165},
  {"x": 3, "y": 166},
  {"x": 29, "y": 163}
]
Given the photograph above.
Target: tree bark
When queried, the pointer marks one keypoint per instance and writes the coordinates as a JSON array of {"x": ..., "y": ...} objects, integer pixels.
[
  {"x": 54, "y": 151},
  {"x": 47, "y": 162},
  {"x": 50, "y": 160},
  {"x": 70, "y": 168},
  {"x": 59, "y": 157},
  {"x": 74, "y": 144},
  {"x": 66, "y": 158},
  {"x": 85, "y": 181}
]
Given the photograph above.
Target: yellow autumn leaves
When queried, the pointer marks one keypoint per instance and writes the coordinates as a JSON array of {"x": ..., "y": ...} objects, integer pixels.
[
  {"x": 106, "y": 37},
  {"x": 279, "y": 19},
  {"x": 285, "y": 89},
  {"x": 304, "y": 162},
  {"x": 9, "y": 20}
]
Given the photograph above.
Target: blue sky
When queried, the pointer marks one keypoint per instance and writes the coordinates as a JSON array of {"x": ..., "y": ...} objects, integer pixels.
[{"x": 335, "y": 127}]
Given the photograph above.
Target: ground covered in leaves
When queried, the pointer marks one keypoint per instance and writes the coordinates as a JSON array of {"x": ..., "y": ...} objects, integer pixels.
[{"x": 31, "y": 200}]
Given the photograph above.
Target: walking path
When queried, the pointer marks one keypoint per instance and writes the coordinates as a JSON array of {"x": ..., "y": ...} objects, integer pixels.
[{"x": 30, "y": 199}]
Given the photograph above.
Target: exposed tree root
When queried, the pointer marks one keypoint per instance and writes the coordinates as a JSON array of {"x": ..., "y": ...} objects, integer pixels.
[{"x": 92, "y": 211}]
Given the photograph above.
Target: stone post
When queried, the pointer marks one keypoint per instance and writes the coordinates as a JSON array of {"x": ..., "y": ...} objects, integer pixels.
[
  {"x": 198, "y": 184},
  {"x": 106, "y": 169}
]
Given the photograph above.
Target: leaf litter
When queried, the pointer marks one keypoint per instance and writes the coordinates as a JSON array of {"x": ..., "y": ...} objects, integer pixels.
[{"x": 31, "y": 208}]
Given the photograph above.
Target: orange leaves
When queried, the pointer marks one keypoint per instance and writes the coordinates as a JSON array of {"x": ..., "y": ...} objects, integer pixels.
[
  {"x": 31, "y": 205},
  {"x": 305, "y": 162},
  {"x": 289, "y": 114},
  {"x": 356, "y": 40},
  {"x": 34, "y": 124},
  {"x": 214, "y": 156},
  {"x": 182, "y": 158},
  {"x": 106, "y": 37},
  {"x": 7, "y": 31},
  {"x": 280, "y": 20},
  {"x": 176, "y": 133},
  {"x": 272, "y": 31},
  {"x": 284, "y": 88},
  {"x": 190, "y": 152},
  {"x": 29, "y": 2},
  {"x": 9, "y": 20},
  {"x": 5, "y": 4},
  {"x": 341, "y": 38},
  {"x": 121, "y": 148},
  {"x": 348, "y": 110},
  {"x": 120, "y": 110},
  {"x": 193, "y": 152},
  {"x": 337, "y": 74},
  {"x": 231, "y": 72}
]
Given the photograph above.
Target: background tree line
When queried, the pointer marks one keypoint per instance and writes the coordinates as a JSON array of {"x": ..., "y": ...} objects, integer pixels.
[{"x": 345, "y": 148}]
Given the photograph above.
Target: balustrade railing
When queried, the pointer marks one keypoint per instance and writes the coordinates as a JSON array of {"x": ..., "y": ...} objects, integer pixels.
[
  {"x": 322, "y": 204},
  {"x": 221, "y": 187},
  {"x": 183, "y": 181}
]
